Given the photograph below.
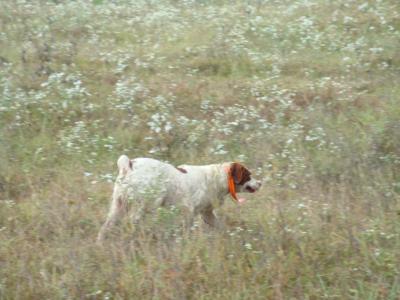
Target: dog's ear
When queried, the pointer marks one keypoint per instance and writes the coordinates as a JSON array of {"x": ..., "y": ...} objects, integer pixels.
[{"x": 239, "y": 173}]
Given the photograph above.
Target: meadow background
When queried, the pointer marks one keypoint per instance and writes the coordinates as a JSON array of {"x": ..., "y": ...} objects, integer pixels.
[{"x": 306, "y": 93}]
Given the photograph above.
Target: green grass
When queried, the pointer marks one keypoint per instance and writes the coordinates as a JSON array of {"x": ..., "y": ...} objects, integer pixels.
[{"x": 304, "y": 93}]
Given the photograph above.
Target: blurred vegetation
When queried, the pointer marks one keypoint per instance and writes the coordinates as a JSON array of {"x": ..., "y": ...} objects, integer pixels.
[{"x": 304, "y": 92}]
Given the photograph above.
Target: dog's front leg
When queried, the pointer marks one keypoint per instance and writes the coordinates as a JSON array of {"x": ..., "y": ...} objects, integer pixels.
[
  {"x": 209, "y": 217},
  {"x": 188, "y": 218}
]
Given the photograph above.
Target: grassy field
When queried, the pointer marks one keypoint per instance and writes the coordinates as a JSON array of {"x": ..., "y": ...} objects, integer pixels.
[{"x": 304, "y": 92}]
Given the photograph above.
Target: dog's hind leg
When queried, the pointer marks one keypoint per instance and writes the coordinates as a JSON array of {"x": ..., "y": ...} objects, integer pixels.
[
  {"x": 119, "y": 201},
  {"x": 138, "y": 214},
  {"x": 144, "y": 206},
  {"x": 117, "y": 210}
]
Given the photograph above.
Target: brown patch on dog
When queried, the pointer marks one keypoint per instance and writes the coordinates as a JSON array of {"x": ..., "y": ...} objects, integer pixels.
[
  {"x": 239, "y": 173},
  {"x": 181, "y": 170}
]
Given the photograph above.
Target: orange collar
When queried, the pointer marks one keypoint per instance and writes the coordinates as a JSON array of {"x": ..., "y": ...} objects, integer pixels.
[{"x": 231, "y": 183}]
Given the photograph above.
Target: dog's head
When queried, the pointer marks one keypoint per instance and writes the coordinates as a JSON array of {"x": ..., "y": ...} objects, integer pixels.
[{"x": 242, "y": 179}]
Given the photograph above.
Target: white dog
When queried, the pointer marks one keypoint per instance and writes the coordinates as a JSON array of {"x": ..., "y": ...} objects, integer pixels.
[{"x": 152, "y": 183}]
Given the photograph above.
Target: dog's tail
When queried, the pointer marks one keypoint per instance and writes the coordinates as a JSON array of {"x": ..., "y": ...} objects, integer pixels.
[{"x": 124, "y": 165}]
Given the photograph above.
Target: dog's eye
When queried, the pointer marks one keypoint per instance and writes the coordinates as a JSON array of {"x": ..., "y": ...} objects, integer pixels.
[{"x": 244, "y": 180}]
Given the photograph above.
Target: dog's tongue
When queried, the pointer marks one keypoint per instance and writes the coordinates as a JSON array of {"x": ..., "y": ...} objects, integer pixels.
[{"x": 241, "y": 200}]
